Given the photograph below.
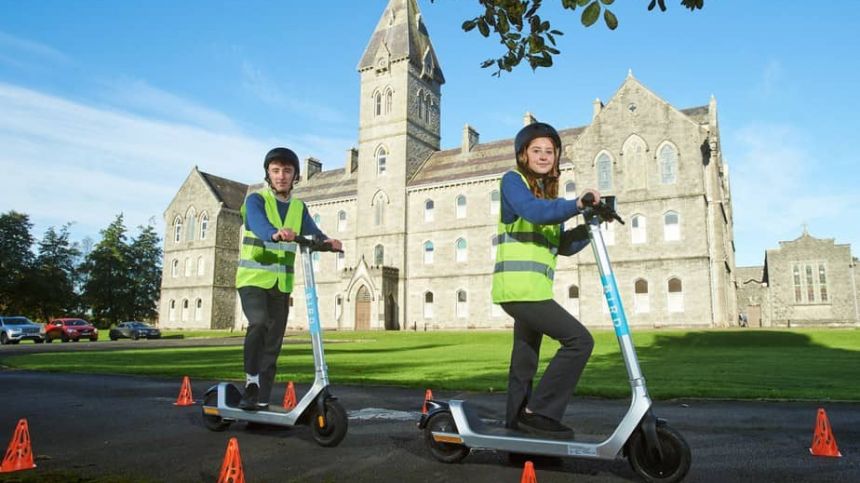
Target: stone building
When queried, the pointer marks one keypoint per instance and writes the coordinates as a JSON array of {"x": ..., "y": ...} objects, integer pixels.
[
  {"x": 805, "y": 282},
  {"x": 421, "y": 255},
  {"x": 201, "y": 250}
]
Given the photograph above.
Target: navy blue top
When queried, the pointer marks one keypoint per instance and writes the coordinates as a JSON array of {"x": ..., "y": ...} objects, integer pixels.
[
  {"x": 519, "y": 202},
  {"x": 258, "y": 222}
]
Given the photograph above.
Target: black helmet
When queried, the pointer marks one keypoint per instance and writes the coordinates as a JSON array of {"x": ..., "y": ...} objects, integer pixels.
[
  {"x": 533, "y": 131},
  {"x": 284, "y": 155}
]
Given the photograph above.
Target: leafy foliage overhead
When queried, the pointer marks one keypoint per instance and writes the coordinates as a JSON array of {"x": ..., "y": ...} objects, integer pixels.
[{"x": 527, "y": 36}]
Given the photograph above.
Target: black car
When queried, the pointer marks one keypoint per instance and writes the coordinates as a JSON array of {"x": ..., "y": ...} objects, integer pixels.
[{"x": 134, "y": 330}]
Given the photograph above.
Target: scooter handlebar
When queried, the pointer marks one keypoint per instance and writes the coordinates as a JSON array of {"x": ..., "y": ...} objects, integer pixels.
[
  {"x": 604, "y": 211},
  {"x": 315, "y": 243}
]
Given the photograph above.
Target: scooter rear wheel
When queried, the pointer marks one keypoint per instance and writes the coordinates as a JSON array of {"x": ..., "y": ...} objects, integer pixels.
[
  {"x": 335, "y": 421},
  {"x": 674, "y": 464},
  {"x": 443, "y": 422},
  {"x": 212, "y": 422}
]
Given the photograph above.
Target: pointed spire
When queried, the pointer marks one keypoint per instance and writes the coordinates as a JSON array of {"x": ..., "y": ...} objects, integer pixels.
[
  {"x": 629, "y": 73},
  {"x": 401, "y": 34}
]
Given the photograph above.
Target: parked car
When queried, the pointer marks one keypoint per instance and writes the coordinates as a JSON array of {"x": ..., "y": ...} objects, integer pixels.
[
  {"x": 70, "y": 329},
  {"x": 17, "y": 328},
  {"x": 133, "y": 330}
]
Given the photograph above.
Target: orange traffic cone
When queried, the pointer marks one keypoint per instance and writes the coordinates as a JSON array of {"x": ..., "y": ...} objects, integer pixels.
[
  {"x": 185, "y": 398},
  {"x": 428, "y": 395},
  {"x": 823, "y": 442},
  {"x": 528, "y": 473},
  {"x": 19, "y": 456},
  {"x": 231, "y": 468},
  {"x": 290, "y": 396}
]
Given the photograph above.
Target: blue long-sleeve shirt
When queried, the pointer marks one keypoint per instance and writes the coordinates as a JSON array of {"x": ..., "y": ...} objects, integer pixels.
[
  {"x": 518, "y": 201},
  {"x": 257, "y": 221}
]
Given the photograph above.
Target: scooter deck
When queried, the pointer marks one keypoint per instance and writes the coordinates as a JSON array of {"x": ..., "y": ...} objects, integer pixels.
[{"x": 480, "y": 426}]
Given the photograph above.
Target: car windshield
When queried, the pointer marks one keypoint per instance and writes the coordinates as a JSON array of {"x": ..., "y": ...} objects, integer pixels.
[
  {"x": 17, "y": 321},
  {"x": 139, "y": 325},
  {"x": 76, "y": 322}
]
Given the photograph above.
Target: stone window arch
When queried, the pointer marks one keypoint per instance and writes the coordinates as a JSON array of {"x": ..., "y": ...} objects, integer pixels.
[
  {"x": 570, "y": 190},
  {"x": 177, "y": 229},
  {"x": 184, "y": 310},
  {"x": 635, "y": 164},
  {"x": 379, "y": 202},
  {"x": 604, "y": 171},
  {"x": 191, "y": 221},
  {"x": 389, "y": 100},
  {"x": 428, "y": 252},
  {"x": 381, "y": 157},
  {"x": 378, "y": 254},
  {"x": 187, "y": 266},
  {"x": 461, "y": 247},
  {"x": 377, "y": 103},
  {"x": 668, "y": 161},
  {"x": 641, "y": 301},
  {"x": 204, "y": 225},
  {"x": 671, "y": 226},
  {"x": 460, "y": 203},
  {"x": 675, "y": 295},
  {"x": 171, "y": 311},
  {"x": 428, "y": 305},
  {"x": 341, "y": 221},
  {"x": 638, "y": 229},
  {"x": 495, "y": 202},
  {"x": 429, "y": 208},
  {"x": 174, "y": 268},
  {"x": 462, "y": 304},
  {"x": 201, "y": 266},
  {"x": 198, "y": 310}
]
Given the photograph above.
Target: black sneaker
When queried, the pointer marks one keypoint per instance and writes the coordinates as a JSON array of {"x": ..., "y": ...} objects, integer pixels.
[
  {"x": 249, "y": 399},
  {"x": 543, "y": 426}
]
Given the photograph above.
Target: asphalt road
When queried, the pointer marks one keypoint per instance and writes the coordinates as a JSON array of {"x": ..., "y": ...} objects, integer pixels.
[{"x": 87, "y": 426}]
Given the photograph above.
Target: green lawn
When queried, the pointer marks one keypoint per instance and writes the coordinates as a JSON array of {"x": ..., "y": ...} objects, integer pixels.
[{"x": 745, "y": 364}]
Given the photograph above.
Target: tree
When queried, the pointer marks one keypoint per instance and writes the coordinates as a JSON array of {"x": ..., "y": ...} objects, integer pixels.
[
  {"x": 525, "y": 35},
  {"x": 145, "y": 265},
  {"x": 108, "y": 285},
  {"x": 54, "y": 275},
  {"x": 16, "y": 261}
]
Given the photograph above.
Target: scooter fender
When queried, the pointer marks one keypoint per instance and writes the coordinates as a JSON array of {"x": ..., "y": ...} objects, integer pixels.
[{"x": 433, "y": 407}]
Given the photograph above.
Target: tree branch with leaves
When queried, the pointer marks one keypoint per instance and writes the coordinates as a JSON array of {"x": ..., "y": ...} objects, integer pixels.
[{"x": 528, "y": 37}]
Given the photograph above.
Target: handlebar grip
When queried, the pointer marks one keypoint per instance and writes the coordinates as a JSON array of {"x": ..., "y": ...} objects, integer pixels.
[{"x": 588, "y": 199}]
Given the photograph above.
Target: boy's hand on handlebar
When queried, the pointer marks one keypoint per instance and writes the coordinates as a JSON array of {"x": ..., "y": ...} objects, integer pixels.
[
  {"x": 589, "y": 196},
  {"x": 336, "y": 245},
  {"x": 284, "y": 234}
]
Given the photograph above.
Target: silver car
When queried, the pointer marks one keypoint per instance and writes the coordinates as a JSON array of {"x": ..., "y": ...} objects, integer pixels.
[{"x": 15, "y": 329}]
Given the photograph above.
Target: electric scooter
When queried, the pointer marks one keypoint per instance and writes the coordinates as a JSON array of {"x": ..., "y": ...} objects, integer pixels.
[
  {"x": 655, "y": 450},
  {"x": 318, "y": 408}
]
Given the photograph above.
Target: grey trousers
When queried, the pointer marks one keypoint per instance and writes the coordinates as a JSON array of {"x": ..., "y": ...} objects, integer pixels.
[
  {"x": 531, "y": 321},
  {"x": 266, "y": 311}
]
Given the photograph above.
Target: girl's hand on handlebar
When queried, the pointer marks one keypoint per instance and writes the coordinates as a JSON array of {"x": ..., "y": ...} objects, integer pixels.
[
  {"x": 336, "y": 245},
  {"x": 593, "y": 200},
  {"x": 284, "y": 234}
]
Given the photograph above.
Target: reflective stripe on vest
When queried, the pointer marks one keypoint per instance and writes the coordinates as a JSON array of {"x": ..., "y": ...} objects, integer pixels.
[
  {"x": 265, "y": 263},
  {"x": 525, "y": 260},
  {"x": 540, "y": 268},
  {"x": 524, "y": 237}
]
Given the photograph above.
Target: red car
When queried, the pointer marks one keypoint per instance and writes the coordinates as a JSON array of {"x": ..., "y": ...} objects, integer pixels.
[{"x": 70, "y": 329}]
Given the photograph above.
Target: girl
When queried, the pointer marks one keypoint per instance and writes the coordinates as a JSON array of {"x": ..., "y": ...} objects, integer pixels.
[{"x": 530, "y": 235}]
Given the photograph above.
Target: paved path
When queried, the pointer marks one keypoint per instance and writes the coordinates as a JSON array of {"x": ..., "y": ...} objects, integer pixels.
[{"x": 85, "y": 426}]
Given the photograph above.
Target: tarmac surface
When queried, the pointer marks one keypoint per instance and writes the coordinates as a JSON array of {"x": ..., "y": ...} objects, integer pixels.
[{"x": 126, "y": 428}]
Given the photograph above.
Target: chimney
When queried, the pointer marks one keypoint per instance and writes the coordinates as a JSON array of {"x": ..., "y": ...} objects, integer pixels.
[
  {"x": 312, "y": 166},
  {"x": 598, "y": 106},
  {"x": 351, "y": 162},
  {"x": 470, "y": 139},
  {"x": 529, "y": 119}
]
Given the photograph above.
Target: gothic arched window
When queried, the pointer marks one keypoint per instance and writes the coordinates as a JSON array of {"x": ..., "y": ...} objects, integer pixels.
[
  {"x": 381, "y": 159},
  {"x": 668, "y": 164},
  {"x": 604, "y": 172}
]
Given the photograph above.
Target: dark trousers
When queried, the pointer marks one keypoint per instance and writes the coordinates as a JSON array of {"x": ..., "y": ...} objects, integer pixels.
[
  {"x": 266, "y": 311},
  {"x": 531, "y": 321}
]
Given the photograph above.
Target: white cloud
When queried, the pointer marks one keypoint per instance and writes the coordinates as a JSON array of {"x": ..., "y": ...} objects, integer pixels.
[
  {"x": 260, "y": 85},
  {"x": 778, "y": 185},
  {"x": 64, "y": 161},
  {"x": 31, "y": 49},
  {"x": 142, "y": 97}
]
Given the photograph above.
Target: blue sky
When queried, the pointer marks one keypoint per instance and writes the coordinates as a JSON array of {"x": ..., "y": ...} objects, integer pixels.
[{"x": 106, "y": 106}]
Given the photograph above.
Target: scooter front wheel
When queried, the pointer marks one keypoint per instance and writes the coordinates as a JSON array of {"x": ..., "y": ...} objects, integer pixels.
[
  {"x": 675, "y": 460},
  {"x": 443, "y": 422},
  {"x": 211, "y": 421},
  {"x": 328, "y": 429}
]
